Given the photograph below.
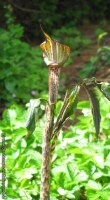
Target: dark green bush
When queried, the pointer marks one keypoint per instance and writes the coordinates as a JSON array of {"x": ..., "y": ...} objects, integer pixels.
[
  {"x": 55, "y": 14},
  {"x": 22, "y": 71}
]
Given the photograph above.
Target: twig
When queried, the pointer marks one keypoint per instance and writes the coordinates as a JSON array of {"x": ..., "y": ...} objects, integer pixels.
[{"x": 23, "y": 9}]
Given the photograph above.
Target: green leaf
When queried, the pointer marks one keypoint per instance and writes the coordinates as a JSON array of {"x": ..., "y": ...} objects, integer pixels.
[
  {"x": 53, "y": 198},
  {"x": 92, "y": 195},
  {"x": 92, "y": 92},
  {"x": 61, "y": 191},
  {"x": 67, "y": 108},
  {"x": 94, "y": 185},
  {"x": 99, "y": 160},
  {"x": 66, "y": 111},
  {"x": 101, "y": 36},
  {"x": 70, "y": 173},
  {"x": 31, "y": 120},
  {"x": 105, "y": 194}
]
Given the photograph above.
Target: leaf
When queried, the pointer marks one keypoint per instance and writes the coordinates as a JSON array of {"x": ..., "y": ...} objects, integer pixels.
[
  {"x": 105, "y": 194},
  {"x": 53, "y": 198},
  {"x": 99, "y": 160},
  {"x": 61, "y": 191},
  {"x": 94, "y": 185},
  {"x": 92, "y": 195},
  {"x": 101, "y": 36},
  {"x": 10, "y": 115},
  {"x": 66, "y": 111},
  {"x": 67, "y": 108},
  {"x": 31, "y": 120},
  {"x": 92, "y": 92},
  {"x": 70, "y": 169}
]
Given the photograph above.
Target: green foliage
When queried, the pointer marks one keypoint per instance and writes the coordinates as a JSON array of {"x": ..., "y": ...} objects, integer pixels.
[
  {"x": 101, "y": 59},
  {"x": 93, "y": 89},
  {"x": 104, "y": 55},
  {"x": 56, "y": 14},
  {"x": 22, "y": 167},
  {"x": 90, "y": 68},
  {"x": 21, "y": 76},
  {"x": 80, "y": 169},
  {"x": 80, "y": 166}
]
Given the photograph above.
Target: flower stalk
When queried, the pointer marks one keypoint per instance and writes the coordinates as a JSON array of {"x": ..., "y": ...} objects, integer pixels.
[{"x": 55, "y": 55}]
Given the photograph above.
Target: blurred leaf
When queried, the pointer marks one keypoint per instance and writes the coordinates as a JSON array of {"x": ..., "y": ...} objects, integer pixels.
[
  {"x": 92, "y": 195},
  {"x": 99, "y": 160},
  {"x": 61, "y": 191},
  {"x": 94, "y": 185},
  {"x": 70, "y": 171},
  {"x": 101, "y": 36},
  {"x": 18, "y": 134}
]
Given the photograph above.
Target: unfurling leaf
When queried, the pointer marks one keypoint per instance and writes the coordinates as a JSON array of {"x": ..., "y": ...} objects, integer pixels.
[
  {"x": 66, "y": 111},
  {"x": 92, "y": 92},
  {"x": 67, "y": 108},
  {"x": 54, "y": 53}
]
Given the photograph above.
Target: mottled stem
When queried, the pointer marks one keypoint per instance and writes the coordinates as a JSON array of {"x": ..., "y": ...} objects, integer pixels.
[
  {"x": 46, "y": 149},
  {"x": 46, "y": 159},
  {"x": 54, "y": 72}
]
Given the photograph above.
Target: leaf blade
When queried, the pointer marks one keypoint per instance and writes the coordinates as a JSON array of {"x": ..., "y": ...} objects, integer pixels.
[
  {"x": 67, "y": 108},
  {"x": 31, "y": 119},
  {"x": 92, "y": 92}
]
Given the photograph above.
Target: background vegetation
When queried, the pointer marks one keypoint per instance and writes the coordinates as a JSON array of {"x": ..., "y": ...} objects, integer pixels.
[
  {"x": 54, "y": 14},
  {"x": 81, "y": 167}
]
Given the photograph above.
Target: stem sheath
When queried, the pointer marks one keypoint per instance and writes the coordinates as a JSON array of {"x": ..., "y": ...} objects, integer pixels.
[{"x": 54, "y": 72}]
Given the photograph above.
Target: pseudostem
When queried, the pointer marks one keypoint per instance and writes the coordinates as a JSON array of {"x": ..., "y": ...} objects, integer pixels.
[
  {"x": 46, "y": 151},
  {"x": 55, "y": 55}
]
